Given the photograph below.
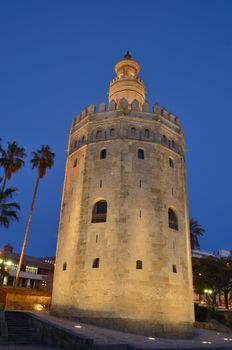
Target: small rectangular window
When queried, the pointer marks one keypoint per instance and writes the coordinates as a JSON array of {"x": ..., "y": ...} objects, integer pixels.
[
  {"x": 139, "y": 264},
  {"x": 75, "y": 163},
  {"x": 174, "y": 269}
]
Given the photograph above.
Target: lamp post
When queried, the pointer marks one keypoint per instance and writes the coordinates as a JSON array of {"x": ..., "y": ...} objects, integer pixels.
[{"x": 208, "y": 292}]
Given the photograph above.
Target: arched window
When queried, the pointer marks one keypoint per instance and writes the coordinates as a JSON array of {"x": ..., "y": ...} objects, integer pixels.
[
  {"x": 103, "y": 154},
  {"x": 171, "y": 162},
  {"x": 174, "y": 269},
  {"x": 99, "y": 134},
  {"x": 96, "y": 263},
  {"x": 64, "y": 266},
  {"x": 164, "y": 140},
  {"x": 75, "y": 144},
  {"x": 112, "y": 132},
  {"x": 140, "y": 153},
  {"x": 133, "y": 132},
  {"x": 173, "y": 144},
  {"x": 147, "y": 133},
  {"x": 99, "y": 211},
  {"x": 139, "y": 264},
  {"x": 172, "y": 219}
]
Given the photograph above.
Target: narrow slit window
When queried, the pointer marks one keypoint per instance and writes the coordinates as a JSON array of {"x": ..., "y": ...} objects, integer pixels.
[
  {"x": 99, "y": 134},
  {"x": 139, "y": 264},
  {"x": 140, "y": 153},
  {"x": 75, "y": 163},
  {"x": 100, "y": 183},
  {"x": 147, "y": 133},
  {"x": 64, "y": 266},
  {"x": 96, "y": 263},
  {"x": 172, "y": 219},
  {"x": 103, "y": 154},
  {"x": 140, "y": 183},
  {"x": 112, "y": 132},
  {"x": 174, "y": 269},
  {"x": 133, "y": 132},
  {"x": 171, "y": 162}
]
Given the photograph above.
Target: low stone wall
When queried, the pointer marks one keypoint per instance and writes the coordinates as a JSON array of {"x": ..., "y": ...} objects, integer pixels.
[
  {"x": 12, "y": 298},
  {"x": 56, "y": 336}
]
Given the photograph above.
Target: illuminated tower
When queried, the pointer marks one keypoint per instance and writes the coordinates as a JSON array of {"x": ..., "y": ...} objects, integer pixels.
[{"x": 123, "y": 252}]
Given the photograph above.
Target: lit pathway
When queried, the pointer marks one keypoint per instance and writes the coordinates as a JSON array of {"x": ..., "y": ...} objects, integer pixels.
[{"x": 202, "y": 339}]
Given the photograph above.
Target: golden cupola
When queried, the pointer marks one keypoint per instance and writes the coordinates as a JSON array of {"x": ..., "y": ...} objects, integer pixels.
[{"x": 127, "y": 84}]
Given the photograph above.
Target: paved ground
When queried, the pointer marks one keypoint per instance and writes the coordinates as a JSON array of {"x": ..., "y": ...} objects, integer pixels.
[
  {"x": 24, "y": 347},
  {"x": 104, "y": 336}
]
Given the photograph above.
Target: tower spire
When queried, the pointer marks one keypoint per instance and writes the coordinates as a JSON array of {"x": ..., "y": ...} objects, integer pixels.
[
  {"x": 127, "y": 56},
  {"x": 127, "y": 83}
]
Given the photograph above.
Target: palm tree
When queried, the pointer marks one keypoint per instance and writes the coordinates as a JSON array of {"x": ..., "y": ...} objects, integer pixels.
[
  {"x": 43, "y": 159},
  {"x": 196, "y": 230},
  {"x": 11, "y": 160},
  {"x": 8, "y": 210}
]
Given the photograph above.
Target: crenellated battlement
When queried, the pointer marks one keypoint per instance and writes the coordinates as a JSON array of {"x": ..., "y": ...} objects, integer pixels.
[{"x": 157, "y": 112}]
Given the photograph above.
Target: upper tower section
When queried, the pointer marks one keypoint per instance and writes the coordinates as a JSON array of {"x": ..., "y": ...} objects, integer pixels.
[{"x": 127, "y": 83}]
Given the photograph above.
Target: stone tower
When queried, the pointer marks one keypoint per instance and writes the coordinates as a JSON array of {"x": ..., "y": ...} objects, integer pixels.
[{"x": 123, "y": 252}]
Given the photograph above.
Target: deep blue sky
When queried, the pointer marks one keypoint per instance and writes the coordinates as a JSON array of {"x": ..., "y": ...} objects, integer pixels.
[{"x": 57, "y": 57}]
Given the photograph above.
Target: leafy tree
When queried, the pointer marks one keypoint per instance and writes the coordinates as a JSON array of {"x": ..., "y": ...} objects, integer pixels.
[
  {"x": 196, "y": 230},
  {"x": 205, "y": 276},
  {"x": 8, "y": 210},
  {"x": 215, "y": 274},
  {"x": 11, "y": 160},
  {"x": 43, "y": 159}
]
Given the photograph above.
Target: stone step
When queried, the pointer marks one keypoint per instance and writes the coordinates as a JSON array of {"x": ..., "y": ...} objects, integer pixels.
[
  {"x": 19, "y": 330},
  {"x": 111, "y": 347}
]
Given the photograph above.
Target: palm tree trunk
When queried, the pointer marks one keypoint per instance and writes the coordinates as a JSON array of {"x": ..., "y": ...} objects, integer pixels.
[
  {"x": 26, "y": 234},
  {"x": 4, "y": 183}
]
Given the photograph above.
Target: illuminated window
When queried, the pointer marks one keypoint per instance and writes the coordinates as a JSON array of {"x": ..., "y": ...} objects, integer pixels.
[
  {"x": 133, "y": 132},
  {"x": 103, "y": 154},
  {"x": 171, "y": 162},
  {"x": 99, "y": 211},
  {"x": 31, "y": 269},
  {"x": 64, "y": 266},
  {"x": 140, "y": 154},
  {"x": 96, "y": 263},
  {"x": 139, "y": 264},
  {"x": 75, "y": 163},
  {"x": 172, "y": 219},
  {"x": 174, "y": 269},
  {"x": 147, "y": 133}
]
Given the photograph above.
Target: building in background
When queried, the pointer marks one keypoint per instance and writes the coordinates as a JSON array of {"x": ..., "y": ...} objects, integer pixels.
[{"x": 36, "y": 273}]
